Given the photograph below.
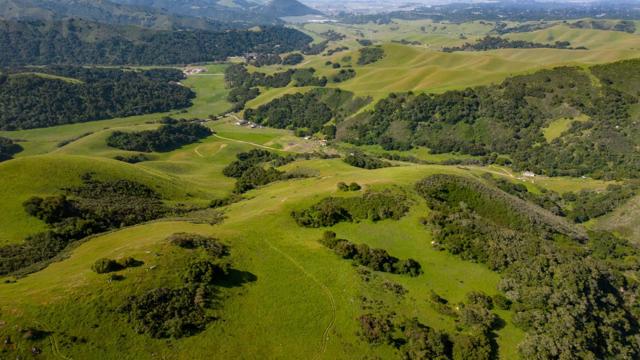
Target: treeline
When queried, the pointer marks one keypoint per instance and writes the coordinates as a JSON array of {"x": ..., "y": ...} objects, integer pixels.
[
  {"x": 621, "y": 25},
  {"x": 509, "y": 119},
  {"x": 91, "y": 208},
  {"x": 45, "y": 43},
  {"x": 364, "y": 161},
  {"x": 172, "y": 135},
  {"x": 275, "y": 59},
  {"x": 8, "y": 148},
  {"x": 375, "y": 259},
  {"x": 494, "y": 42},
  {"x": 556, "y": 285},
  {"x": 31, "y": 100},
  {"x": 372, "y": 205}
]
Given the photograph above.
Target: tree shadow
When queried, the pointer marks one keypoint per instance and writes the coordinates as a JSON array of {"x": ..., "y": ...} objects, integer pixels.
[{"x": 236, "y": 278}]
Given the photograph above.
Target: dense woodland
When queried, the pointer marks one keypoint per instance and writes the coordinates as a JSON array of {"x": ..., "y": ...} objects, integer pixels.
[
  {"x": 172, "y": 135},
  {"x": 494, "y": 43},
  {"x": 72, "y": 42},
  {"x": 509, "y": 118},
  {"x": 78, "y": 94},
  {"x": 563, "y": 284},
  {"x": 308, "y": 112}
]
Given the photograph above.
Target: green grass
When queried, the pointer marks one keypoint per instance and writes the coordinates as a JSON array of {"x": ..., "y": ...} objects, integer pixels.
[
  {"x": 559, "y": 126},
  {"x": 287, "y": 261},
  {"x": 302, "y": 288}
]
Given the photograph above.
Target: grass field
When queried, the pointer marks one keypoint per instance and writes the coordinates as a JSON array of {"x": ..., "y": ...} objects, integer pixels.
[{"x": 425, "y": 69}]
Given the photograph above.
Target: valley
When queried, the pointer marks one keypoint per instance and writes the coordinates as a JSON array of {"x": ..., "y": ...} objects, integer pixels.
[{"x": 331, "y": 190}]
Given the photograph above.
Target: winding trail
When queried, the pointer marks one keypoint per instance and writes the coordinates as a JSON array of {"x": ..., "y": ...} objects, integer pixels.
[
  {"x": 325, "y": 333},
  {"x": 247, "y": 142}
]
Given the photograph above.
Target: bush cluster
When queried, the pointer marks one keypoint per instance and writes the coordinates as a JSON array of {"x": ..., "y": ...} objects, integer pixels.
[
  {"x": 372, "y": 205},
  {"x": 376, "y": 259}
]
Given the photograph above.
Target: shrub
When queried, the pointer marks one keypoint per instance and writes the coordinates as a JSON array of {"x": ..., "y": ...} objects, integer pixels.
[
  {"x": 212, "y": 246},
  {"x": 376, "y": 329},
  {"x": 343, "y": 186},
  {"x": 103, "y": 266}
]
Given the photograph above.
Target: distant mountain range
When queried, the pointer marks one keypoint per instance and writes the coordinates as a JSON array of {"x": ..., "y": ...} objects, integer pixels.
[{"x": 158, "y": 14}]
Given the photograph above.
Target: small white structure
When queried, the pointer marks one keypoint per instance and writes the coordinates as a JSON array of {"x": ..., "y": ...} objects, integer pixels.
[{"x": 528, "y": 174}]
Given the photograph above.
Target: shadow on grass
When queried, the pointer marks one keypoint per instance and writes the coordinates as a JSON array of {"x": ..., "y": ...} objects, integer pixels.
[{"x": 236, "y": 278}]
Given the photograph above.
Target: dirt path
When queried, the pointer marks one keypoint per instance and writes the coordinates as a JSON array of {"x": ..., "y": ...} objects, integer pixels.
[
  {"x": 247, "y": 142},
  {"x": 327, "y": 291}
]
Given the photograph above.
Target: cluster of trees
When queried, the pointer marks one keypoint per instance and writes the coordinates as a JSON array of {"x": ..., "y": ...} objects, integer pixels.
[
  {"x": 275, "y": 59},
  {"x": 91, "y": 208},
  {"x": 180, "y": 312},
  {"x": 31, "y": 100},
  {"x": 44, "y": 43},
  {"x": 104, "y": 265},
  {"x": 509, "y": 119},
  {"x": 343, "y": 75},
  {"x": 337, "y": 50},
  {"x": 494, "y": 42},
  {"x": 304, "y": 111},
  {"x": 332, "y": 35},
  {"x": 132, "y": 159},
  {"x": 621, "y": 25},
  {"x": 257, "y": 168},
  {"x": 415, "y": 340},
  {"x": 372, "y": 205},
  {"x": 557, "y": 281},
  {"x": 364, "y": 161},
  {"x": 375, "y": 259},
  {"x": 354, "y": 186},
  {"x": 304, "y": 77},
  {"x": 8, "y": 148},
  {"x": 369, "y": 55},
  {"x": 586, "y": 204},
  {"x": 170, "y": 136},
  {"x": 315, "y": 49},
  {"x": 244, "y": 85},
  {"x": 579, "y": 206}
]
